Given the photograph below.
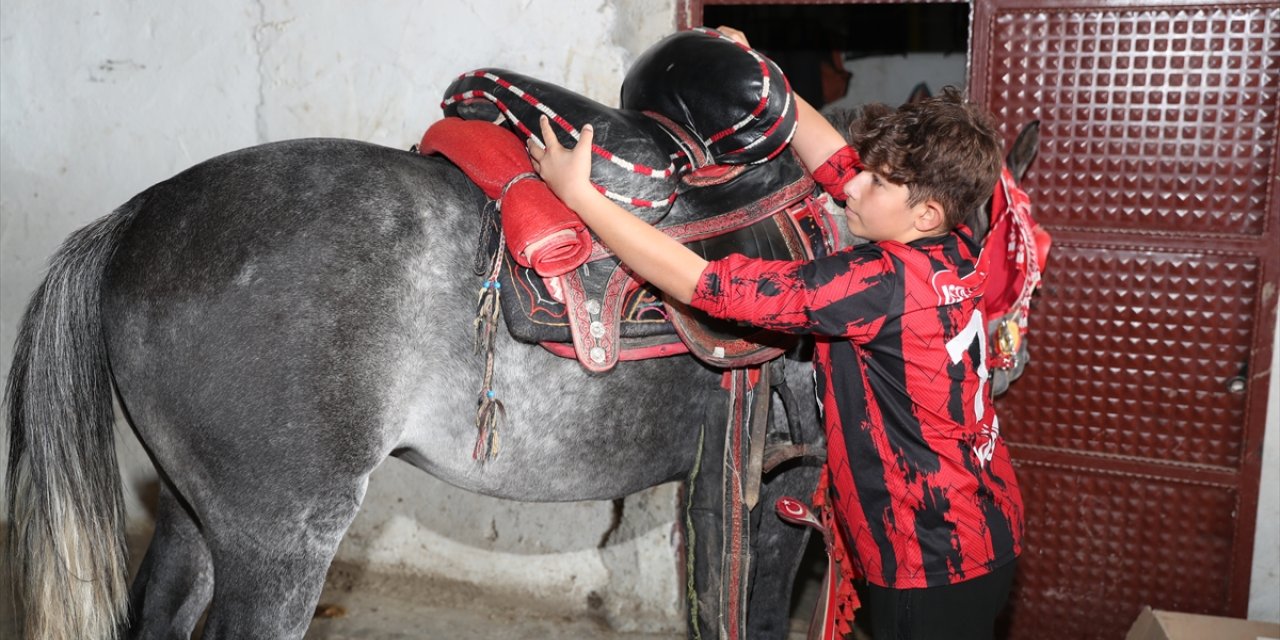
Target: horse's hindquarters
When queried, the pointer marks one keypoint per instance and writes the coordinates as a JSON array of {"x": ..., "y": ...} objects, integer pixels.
[
  {"x": 253, "y": 317},
  {"x": 251, "y": 311}
]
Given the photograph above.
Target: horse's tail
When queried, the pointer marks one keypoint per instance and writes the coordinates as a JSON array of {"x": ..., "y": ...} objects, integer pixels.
[{"x": 65, "y": 506}]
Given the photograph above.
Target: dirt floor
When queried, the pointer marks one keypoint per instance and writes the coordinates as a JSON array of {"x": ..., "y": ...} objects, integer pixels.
[
  {"x": 357, "y": 605},
  {"x": 363, "y": 606},
  {"x": 386, "y": 608},
  {"x": 377, "y": 607}
]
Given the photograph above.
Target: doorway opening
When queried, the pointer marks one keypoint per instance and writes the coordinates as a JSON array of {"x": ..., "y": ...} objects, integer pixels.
[{"x": 846, "y": 55}]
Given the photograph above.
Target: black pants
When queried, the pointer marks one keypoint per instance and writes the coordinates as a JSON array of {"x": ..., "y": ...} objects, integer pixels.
[{"x": 962, "y": 611}]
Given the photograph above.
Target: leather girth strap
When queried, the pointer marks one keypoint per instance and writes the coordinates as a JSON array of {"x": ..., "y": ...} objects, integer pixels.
[{"x": 718, "y": 508}]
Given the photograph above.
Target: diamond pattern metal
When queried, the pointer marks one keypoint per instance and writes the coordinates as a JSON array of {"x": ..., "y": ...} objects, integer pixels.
[
  {"x": 1106, "y": 544},
  {"x": 1156, "y": 174},
  {"x": 1132, "y": 353},
  {"x": 1151, "y": 120}
]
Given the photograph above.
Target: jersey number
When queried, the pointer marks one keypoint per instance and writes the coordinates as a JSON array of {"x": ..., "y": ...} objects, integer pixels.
[{"x": 956, "y": 348}]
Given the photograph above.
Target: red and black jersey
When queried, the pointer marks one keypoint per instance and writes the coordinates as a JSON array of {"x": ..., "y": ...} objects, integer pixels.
[{"x": 922, "y": 480}]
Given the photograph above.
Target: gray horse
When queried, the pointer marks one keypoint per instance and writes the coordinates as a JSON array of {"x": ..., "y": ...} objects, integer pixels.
[{"x": 276, "y": 322}]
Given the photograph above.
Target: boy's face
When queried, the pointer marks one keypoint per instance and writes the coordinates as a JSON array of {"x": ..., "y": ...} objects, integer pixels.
[{"x": 877, "y": 209}]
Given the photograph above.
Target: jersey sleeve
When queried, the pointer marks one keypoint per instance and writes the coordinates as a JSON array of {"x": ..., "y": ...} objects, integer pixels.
[
  {"x": 841, "y": 167},
  {"x": 846, "y": 294}
]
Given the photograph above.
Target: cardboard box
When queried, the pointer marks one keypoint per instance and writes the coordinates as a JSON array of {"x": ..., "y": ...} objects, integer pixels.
[{"x": 1171, "y": 625}]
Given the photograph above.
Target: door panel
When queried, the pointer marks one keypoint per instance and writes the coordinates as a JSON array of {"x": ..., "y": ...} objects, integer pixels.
[
  {"x": 1133, "y": 351},
  {"x": 1100, "y": 544},
  {"x": 1137, "y": 428},
  {"x": 1162, "y": 119}
]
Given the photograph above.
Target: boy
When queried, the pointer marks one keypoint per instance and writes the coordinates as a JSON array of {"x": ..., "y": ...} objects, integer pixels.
[{"x": 923, "y": 489}]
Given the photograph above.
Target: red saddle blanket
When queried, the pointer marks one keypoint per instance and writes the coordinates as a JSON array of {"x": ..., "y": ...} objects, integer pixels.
[{"x": 540, "y": 231}]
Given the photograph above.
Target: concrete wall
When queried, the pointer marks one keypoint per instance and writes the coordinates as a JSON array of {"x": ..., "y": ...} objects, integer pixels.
[{"x": 100, "y": 100}]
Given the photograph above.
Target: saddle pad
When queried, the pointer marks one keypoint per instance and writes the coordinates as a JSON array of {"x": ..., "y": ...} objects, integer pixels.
[{"x": 540, "y": 231}]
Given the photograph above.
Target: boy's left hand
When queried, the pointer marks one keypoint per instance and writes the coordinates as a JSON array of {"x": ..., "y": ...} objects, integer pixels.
[
  {"x": 566, "y": 171},
  {"x": 734, "y": 34}
]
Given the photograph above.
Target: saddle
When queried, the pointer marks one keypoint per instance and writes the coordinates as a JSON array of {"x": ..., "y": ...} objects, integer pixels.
[{"x": 702, "y": 176}]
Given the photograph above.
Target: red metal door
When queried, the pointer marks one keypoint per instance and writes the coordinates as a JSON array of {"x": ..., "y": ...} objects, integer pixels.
[{"x": 1137, "y": 429}]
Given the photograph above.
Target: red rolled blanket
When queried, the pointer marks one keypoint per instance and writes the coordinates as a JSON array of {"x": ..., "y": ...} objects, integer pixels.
[{"x": 541, "y": 232}]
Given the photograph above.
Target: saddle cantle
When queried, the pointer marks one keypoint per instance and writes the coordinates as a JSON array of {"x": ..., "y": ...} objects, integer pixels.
[
  {"x": 736, "y": 103},
  {"x": 700, "y": 176}
]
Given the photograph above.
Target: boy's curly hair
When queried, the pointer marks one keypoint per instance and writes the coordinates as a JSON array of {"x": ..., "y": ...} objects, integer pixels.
[{"x": 941, "y": 148}]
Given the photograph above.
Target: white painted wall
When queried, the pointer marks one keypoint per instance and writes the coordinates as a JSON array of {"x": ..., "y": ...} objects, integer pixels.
[
  {"x": 1264, "y": 588},
  {"x": 100, "y": 100},
  {"x": 890, "y": 79}
]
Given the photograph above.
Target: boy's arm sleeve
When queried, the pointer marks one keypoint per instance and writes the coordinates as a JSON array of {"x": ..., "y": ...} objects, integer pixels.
[
  {"x": 843, "y": 295},
  {"x": 838, "y": 169}
]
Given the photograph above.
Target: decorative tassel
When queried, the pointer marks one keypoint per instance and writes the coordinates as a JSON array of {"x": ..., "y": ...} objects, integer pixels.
[
  {"x": 486, "y": 323},
  {"x": 490, "y": 412}
]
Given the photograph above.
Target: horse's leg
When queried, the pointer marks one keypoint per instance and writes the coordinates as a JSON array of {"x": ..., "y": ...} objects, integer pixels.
[
  {"x": 175, "y": 581},
  {"x": 258, "y": 517},
  {"x": 778, "y": 549},
  {"x": 272, "y": 480},
  {"x": 270, "y": 555}
]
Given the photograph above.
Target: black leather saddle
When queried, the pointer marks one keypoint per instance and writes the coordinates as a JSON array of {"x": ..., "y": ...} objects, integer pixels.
[{"x": 698, "y": 149}]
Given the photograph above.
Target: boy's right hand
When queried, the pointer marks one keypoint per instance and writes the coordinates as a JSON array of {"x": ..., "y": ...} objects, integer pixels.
[{"x": 567, "y": 172}]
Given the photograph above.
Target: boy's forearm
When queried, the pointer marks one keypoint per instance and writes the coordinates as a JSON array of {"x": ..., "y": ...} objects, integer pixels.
[
  {"x": 658, "y": 258},
  {"x": 815, "y": 139},
  {"x": 648, "y": 252}
]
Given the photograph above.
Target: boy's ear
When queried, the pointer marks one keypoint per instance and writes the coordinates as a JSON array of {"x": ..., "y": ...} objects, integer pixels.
[{"x": 930, "y": 217}]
